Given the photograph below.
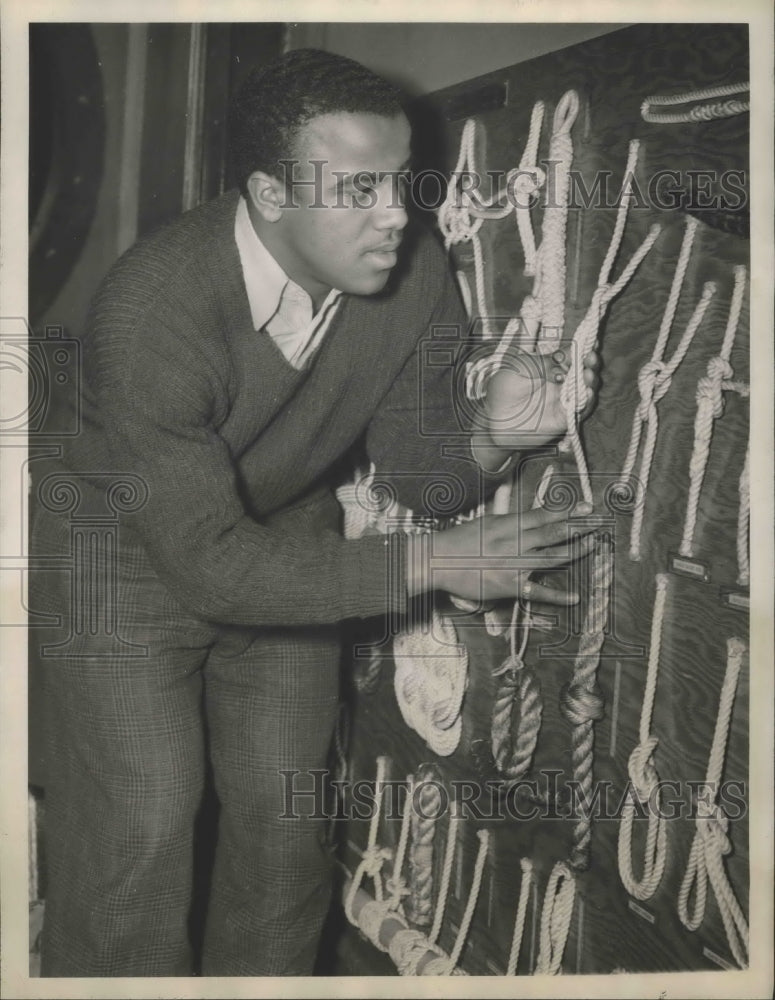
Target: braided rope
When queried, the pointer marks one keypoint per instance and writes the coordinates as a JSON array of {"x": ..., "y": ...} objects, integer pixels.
[
  {"x": 580, "y": 700},
  {"x": 743, "y": 514},
  {"x": 446, "y": 966},
  {"x": 519, "y": 924},
  {"x": 556, "y": 916},
  {"x": 706, "y": 112},
  {"x": 710, "y": 406},
  {"x": 574, "y": 394},
  {"x": 711, "y": 842},
  {"x": 396, "y": 886},
  {"x": 419, "y": 905},
  {"x": 518, "y": 688},
  {"x": 643, "y": 775}
]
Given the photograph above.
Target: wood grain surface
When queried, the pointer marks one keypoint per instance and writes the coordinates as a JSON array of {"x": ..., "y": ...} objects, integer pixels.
[{"x": 612, "y": 74}]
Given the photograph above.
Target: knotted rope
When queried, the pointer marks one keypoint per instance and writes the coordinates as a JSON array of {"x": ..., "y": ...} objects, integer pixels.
[
  {"x": 556, "y": 916},
  {"x": 654, "y": 381},
  {"x": 710, "y": 406},
  {"x": 711, "y": 842},
  {"x": 581, "y": 701},
  {"x": 543, "y": 310},
  {"x": 744, "y": 510},
  {"x": 703, "y": 112},
  {"x": 373, "y": 913},
  {"x": 575, "y": 395},
  {"x": 519, "y": 924},
  {"x": 425, "y": 814},
  {"x": 430, "y": 681},
  {"x": 644, "y": 780}
]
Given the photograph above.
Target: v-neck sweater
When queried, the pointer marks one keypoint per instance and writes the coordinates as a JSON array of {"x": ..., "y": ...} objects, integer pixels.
[{"x": 228, "y": 438}]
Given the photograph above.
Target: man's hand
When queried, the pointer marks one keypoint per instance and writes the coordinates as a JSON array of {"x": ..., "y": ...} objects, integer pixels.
[
  {"x": 522, "y": 408},
  {"x": 493, "y": 556}
]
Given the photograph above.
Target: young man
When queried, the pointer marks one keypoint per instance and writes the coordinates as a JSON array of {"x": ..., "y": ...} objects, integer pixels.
[{"x": 234, "y": 364}]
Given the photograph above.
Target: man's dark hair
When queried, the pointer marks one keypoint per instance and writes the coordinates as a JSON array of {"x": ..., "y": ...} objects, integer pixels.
[{"x": 277, "y": 100}]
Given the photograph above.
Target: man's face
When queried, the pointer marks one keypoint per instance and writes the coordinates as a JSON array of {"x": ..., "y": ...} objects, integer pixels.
[{"x": 348, "y": 224}]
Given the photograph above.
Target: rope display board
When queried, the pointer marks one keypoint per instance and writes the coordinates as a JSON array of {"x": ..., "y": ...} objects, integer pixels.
[{"x": 565, "y": 853}]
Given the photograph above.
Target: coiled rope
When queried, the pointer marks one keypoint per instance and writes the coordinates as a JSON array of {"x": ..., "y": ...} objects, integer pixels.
[
  {"x": 710, "y": 406},
  {"x": 644, "y": 780},
  {"x": 703, "y": 112},
  {"x": 556, "y": 916},
  {"x": 711, "y": 842},
  {"x": 581, "y": 701},
  {"x": 654, "y": 381},
  {"x": 430, "y": 681}
]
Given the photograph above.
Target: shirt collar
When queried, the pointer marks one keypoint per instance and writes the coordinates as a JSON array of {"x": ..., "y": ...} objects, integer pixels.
[{"x": 265, "y": 280}]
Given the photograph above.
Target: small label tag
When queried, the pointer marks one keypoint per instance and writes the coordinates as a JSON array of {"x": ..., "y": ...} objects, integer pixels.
[
  {"x": 717, "y": 959},
  {"x": 689, "y": 567},
  {"x": 641, "y": 911},
  {"x": 736, "y": 599}
]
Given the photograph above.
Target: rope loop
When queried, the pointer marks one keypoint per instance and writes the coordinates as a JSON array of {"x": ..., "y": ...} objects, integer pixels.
[
  {"x": 566, "y": 112},
  {"x": 641, "y": 769}
]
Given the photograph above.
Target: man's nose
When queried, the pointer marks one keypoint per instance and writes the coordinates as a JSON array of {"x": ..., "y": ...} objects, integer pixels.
[{"x": 390, "y": 210}]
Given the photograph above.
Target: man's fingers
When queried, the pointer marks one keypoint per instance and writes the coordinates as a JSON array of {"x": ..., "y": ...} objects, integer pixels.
[
  {"x": 553, "y": 534},
  {"x": 547, "y": 595}
]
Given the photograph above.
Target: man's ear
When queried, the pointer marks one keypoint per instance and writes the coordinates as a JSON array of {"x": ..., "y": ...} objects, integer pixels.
[{"x": 266, "y": 194}]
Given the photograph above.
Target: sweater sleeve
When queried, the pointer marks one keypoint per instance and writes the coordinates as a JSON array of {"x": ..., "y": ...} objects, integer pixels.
[
  {"x": 420, "y": 436},
  {"x": 156, "y": 400}
]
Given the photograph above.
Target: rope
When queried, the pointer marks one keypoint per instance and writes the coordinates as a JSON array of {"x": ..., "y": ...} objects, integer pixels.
[
  {"x": 575, "y": 394},
  {"x": 396, "y": 886},
  {"x": 446, "y": 966},
  {"x": 341, "y": 740},
  {"x": 519, "y": 925},
  {"x": 556, "y": 916},
  {"x": 458, "y": 224},
  {"x": 518, "y": 688},
  {"x": 710, "y": 406},
  {"x": 703, "y": 112},
  {"x": 446, "y": 873},
  {"x": 643, "y": 775},
  {"x": 424, "y": 818},
  {"x": 430, "y": 680},
  {"x": 743, "y": 514},
  {"x": 654, "y": 381},
  {"x": 580, "y": 700},
  {"x": 371, "y": 865},
  {"x": 711, "y": 842}
]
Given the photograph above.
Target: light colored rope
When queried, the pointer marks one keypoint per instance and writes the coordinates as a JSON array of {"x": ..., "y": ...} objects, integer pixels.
[
  {"x": 711, "y": 842},
  {"x": 654, "y": 381},
  {"x": 396, "y": 887},
  {"x": 556, "y": 916},
  {"x": 644, "y": 780},
  {"x": 372, "y": 860},
  {"x": 431, "y": 675},
  {"x": 743, "y": 514},
  {"x": 581, "y": 701},
  {"x": 710, "y": 406},
  {"x": 419, "y": 906},
  {"x": 574, "y": 394},
  {"x": 519, "y": 924},
  {"x": 703, "y": 112},
  {"x": 446, "y": 873}
]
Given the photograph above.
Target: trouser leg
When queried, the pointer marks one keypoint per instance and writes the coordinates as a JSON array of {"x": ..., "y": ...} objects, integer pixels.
[
  {"x": 271, "y": 705},
  {"x": 125, "y": 767}
]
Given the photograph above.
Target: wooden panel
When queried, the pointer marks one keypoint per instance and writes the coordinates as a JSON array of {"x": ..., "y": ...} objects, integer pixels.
[{"x": 612, "y": 76}]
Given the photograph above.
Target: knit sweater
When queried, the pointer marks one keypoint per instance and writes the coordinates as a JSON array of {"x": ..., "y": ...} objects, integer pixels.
[{"x": 230, "y": 439}]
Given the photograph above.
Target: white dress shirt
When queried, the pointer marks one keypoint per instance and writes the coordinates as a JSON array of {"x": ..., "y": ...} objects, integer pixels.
[{"x": 277, "y": 304}]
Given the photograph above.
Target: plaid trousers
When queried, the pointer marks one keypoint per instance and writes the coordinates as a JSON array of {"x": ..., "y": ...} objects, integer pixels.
[{"x": 125, "y": 774}]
